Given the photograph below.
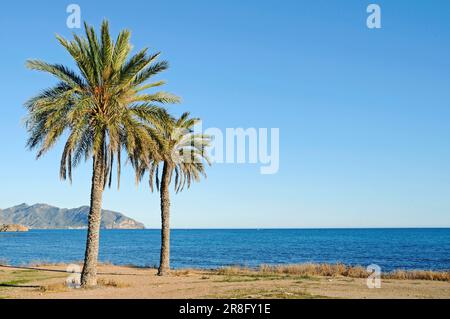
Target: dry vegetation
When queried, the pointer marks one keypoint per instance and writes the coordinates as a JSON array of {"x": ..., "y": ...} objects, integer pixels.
[
  {"x": 109, "y": 282},
  {"x": 418, "y": 275},
  {"x": 332, "y": 270}
]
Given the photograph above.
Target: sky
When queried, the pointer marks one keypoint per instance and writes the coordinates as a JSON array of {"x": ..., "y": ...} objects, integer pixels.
[{"x": 363, "y": 114}]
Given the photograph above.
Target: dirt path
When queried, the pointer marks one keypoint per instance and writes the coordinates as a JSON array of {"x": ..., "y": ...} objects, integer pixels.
[{"x": 136, "y": 283}]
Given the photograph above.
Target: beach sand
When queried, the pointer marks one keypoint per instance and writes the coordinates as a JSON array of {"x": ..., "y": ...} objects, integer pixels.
[{"x": 48, "y": 281}]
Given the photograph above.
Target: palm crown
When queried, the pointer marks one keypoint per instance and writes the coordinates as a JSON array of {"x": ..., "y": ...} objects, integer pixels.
[
  {"x": 104, "y": 108},
  {"x": 183, "y": 151}
]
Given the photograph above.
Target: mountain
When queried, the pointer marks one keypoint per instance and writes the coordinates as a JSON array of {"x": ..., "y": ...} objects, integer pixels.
[{"x": 43, "y": 216}]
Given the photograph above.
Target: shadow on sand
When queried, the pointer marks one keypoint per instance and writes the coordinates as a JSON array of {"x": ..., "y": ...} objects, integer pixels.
[
  {"x": 64, "y": 271},
  {"x": 18, "y": 286}
]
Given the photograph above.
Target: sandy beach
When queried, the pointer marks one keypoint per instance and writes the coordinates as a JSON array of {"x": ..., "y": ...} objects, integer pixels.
[{"x": 48, "y": 282}]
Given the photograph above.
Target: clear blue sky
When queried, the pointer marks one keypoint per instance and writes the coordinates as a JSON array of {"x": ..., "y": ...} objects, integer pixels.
[{"x": 363, "y": 114}]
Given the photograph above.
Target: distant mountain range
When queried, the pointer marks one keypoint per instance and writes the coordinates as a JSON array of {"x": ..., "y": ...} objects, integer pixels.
[{"x": 43, "y": 216}]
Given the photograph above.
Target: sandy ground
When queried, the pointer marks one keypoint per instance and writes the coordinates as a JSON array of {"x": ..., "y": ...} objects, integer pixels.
[{"x": 127, "y": 282}]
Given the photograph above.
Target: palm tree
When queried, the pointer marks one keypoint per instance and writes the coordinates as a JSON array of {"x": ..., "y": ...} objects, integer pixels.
[
  {"x": 103, "y": 109},
  {"x": 181, "y": 153}
]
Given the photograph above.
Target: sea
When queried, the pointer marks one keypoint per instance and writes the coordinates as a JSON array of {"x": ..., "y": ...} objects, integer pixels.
[{"x": 426, "y": 249}]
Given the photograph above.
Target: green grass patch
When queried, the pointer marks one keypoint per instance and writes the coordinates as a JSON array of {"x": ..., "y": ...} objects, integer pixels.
[
  {"x": 237, "y": 279},
  {"x": 14, "y": 282},
  {"x": 24, "y": 272},
  {"x": 20, "y": 277},
  {"x": 304, "y": 277}
]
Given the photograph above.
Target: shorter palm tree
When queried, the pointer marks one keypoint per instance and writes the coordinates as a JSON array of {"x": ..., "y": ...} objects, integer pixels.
[{"x": 181, "y": 154}]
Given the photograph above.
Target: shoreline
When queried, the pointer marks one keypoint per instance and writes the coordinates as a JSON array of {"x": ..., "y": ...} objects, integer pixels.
[{"x": 307, "y": 268}]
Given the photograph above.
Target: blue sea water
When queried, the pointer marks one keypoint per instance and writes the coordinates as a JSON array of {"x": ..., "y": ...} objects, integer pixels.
[{"x": 388, "y": 248}]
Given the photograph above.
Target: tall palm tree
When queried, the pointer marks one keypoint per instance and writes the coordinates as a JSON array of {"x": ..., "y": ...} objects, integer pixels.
[
  {"x": 181, "y": 153},
  {"x": 103, "y": 109}
]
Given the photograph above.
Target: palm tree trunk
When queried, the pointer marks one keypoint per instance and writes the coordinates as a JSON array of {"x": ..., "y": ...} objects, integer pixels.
[
  {"x": 89, "y": 273},
  {"x": 164, "y": 265}
]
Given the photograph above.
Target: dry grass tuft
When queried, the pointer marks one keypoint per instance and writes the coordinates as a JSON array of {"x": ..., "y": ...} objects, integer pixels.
[
  {"x": 309, "y": 269},
  {"x": 418, "y": 275},
  {"x": 180, "y": 273},
  {"x": 331, "y": 270},
  {"x": 108, "y": 282},
  {"x": 58, "y": 287}
]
